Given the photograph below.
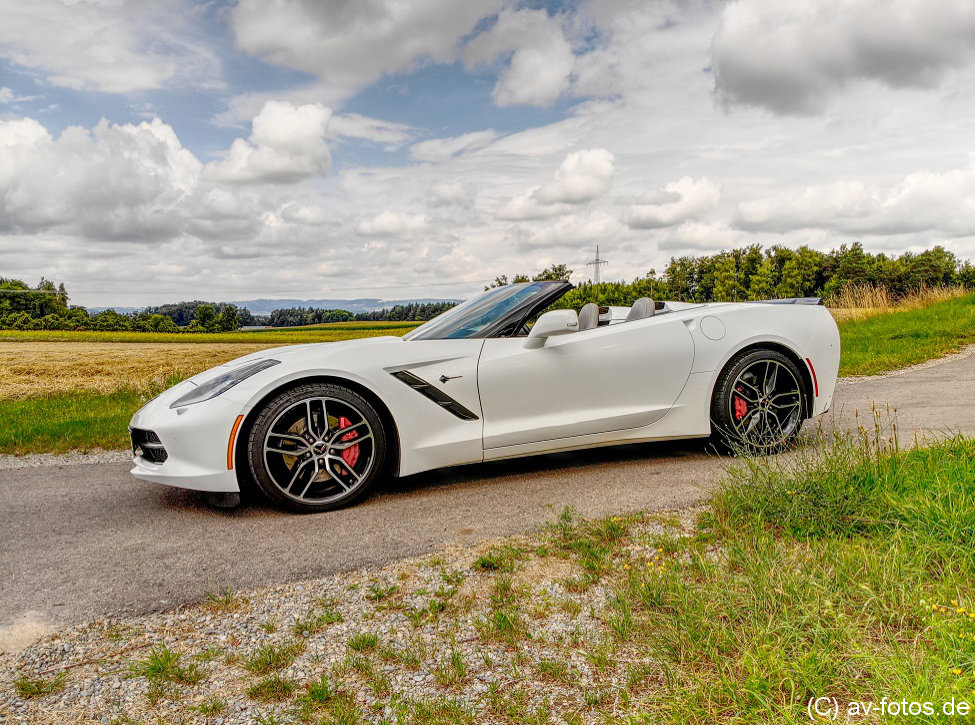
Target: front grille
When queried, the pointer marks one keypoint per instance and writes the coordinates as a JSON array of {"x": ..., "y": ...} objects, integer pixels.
[{"x": 146, "y": 444}]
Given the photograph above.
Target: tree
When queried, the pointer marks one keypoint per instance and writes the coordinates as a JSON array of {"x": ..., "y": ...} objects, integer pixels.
[
  {"x": 554, "y": 273},
  {"x": 229, "y": 319},
  {"x": 791, "y": 282},
  {"x": 206, "y": 317},
  {"x": 762, "y": 286},
  {"x": 726, "y": 287}
]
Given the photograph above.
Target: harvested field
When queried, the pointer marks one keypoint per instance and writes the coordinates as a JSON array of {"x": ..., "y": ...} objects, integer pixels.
[{"x": 32, "y": 369}]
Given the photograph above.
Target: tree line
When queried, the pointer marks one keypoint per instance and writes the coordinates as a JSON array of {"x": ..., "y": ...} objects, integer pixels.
[
  {"x": 45, "y": 307},
  {"x": 745, "y": 273},
  {"x": 754, "y": 273}
]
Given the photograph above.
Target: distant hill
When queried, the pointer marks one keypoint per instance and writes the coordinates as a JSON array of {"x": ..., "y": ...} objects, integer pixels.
[{"x": 266, "y": 306}]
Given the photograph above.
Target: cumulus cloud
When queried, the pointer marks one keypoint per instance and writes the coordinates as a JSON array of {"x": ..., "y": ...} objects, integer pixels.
[
  {"x": 700, "y": 237},
  {"x": 440, "y": 149},
  {"x": 574, "y": 230},
  {"x": 287, "y": 144},
  {"x": 676, "y": 202},
  {"x": 582, "y": 177},
  {"x": 790, "y": 57},
  {"x": 448, "y": 193},
  {"x": 111, "y": 46},
  {"x": 922, "y": 201},
  {"x": 112, "y": 182},
  {"x": 541, "y": 63},
  {"x": 391, "y": 224},
  {"x": 350, "y": 42}
]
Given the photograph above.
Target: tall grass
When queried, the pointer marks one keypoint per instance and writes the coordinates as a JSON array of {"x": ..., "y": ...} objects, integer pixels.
[
  {"x": 862, "y": 300},
  {"x": 844, "y": 572}
]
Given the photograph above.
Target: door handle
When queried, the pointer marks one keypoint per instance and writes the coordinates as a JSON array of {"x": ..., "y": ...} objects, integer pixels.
[{"x": 445, "y": 378}]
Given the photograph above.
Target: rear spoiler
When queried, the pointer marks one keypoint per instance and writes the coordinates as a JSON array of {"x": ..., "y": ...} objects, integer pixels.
[{"x": 792, "y": 301}]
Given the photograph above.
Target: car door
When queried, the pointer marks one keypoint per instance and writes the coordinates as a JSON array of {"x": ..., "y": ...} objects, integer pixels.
[{"x": 606, "y": 379}]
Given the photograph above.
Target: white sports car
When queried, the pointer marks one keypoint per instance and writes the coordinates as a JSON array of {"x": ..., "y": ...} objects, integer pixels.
[{"x": 314, "y": 426}]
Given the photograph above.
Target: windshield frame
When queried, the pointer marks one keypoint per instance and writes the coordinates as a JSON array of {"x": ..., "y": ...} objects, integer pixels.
[{"x": 506, "y": 325}]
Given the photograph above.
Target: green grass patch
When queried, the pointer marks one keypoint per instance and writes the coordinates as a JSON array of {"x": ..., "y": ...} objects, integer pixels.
[
  {"x": 80, "y": 421},
  {"x": 847, "y": 573},
  {"x": 31, "y": 687},
  {"x": 274, "y": 688},
  {"x": 363, "y": 642},
  {"x": 163, "y": 666},
  {"x": 272, "y": 657},
  {"x": 898, "y": 339}
]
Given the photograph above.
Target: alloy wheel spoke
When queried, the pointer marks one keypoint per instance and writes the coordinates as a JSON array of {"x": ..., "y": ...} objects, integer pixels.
[
  {"x": 330, "y": 464},
  {"x": 296, "y": 472},
  {"x": 285, "y": 452},
  {"x": 350, "y": 443},
  {"x": 337, "y": 436},
  {"x": 771, "y": 375}
]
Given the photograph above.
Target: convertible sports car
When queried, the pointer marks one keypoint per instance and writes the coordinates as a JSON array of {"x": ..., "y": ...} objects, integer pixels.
[{"x": 314, "y": 426}]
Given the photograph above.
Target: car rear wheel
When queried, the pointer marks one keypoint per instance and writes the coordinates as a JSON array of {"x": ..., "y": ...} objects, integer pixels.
[
  {"x": 316, "y": 447},
  {"x": 759, "y": 402}
]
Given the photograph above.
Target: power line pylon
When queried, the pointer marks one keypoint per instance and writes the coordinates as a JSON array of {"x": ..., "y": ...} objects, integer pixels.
[{"x": 596, "y": 264}]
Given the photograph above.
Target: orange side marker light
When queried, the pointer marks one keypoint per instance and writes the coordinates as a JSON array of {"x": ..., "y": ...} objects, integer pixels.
[{"x": 232, "y": 441}]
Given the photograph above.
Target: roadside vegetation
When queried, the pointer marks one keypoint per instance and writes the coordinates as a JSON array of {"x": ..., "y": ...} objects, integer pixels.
[
  {"x": 843, "y": 571},
  {"x": 906, "y": 335}
]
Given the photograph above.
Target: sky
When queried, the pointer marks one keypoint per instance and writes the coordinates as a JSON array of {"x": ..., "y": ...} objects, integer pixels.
[{"x": 158, "y": 151}]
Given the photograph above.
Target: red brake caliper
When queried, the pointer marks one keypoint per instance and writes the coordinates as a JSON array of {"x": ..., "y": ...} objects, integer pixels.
[
  {"x": 741, "y": 406},
  {"x": 351, "y": 454}
]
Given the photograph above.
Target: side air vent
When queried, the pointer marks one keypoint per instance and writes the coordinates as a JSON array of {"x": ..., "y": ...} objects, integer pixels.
[
  {"x": 435, "y": 394},
  {"x": 146, "y": 444}
]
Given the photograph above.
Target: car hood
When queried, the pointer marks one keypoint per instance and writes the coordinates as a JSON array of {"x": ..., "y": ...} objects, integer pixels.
[{"x": 317, "y": 351}]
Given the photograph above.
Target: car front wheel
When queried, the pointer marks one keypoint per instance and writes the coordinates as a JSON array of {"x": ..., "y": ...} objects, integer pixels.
[{"x": 316, "y": 447}]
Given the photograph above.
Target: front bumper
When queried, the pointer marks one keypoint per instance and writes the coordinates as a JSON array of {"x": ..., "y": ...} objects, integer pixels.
[{"x": 196, "y": 439}]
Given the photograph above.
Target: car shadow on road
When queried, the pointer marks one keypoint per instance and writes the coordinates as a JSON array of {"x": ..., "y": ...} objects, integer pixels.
[{"x": 492, "y": 473}]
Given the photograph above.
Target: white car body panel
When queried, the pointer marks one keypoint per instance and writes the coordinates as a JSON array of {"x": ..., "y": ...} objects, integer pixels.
[
  {"x": 621, "y": 382},
  {"x": 598, "y": 381}
]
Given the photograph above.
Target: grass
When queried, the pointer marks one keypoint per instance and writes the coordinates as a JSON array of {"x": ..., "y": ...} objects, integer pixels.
[
  {"x": 860, "y": 301},
  {"x": 65, "y": 422},
  {"x": 906, "y": 337},
  {"x": 31, "y": 687},
  {"x": 270, "y": 658},
  {"x": 273, "y": 688},
  {"x": 163, "y": 666},
  {"x": 363, "y": 642},
  {"x": 846, "y": 572},
  {"x": 315, "y": 622}
]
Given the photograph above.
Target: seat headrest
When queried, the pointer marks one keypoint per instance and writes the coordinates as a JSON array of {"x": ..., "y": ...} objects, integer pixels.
[
  {"x": 588, "y": 316},
  {"x": 643, "y": 307}
]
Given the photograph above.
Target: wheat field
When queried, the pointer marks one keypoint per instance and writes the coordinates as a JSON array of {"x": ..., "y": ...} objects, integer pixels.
[{"x": 31, "y": 369}]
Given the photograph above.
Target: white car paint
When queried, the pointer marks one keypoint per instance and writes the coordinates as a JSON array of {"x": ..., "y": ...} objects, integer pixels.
[{"x": 641, "y": 380}]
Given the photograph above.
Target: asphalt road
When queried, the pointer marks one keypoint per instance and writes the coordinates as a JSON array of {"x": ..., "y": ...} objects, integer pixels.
[{"x": 84, "y": 541}]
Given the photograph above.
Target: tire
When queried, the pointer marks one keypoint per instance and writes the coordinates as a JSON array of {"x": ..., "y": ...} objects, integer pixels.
[
  {"x": 316, "y": 447},
  {"x": 759, "y": 403}
]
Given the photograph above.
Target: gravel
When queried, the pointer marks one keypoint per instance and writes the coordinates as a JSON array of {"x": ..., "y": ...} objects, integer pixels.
[
  {"x": 426, "y": 614},
  {"x": 75, "y": 458}
]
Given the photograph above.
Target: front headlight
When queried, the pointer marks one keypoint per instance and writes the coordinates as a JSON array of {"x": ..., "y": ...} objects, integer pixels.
[{"x": 222, "y": 383}]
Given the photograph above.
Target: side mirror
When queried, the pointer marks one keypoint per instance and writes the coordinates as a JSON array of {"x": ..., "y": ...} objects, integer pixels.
[{"x": 556, "y": 322}]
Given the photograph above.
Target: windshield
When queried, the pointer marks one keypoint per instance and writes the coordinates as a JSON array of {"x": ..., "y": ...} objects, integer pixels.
[{"x": 478, "y": 316}]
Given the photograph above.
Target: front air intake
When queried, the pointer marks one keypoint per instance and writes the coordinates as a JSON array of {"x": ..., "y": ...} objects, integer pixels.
[{"x": 146, "y": 445}]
